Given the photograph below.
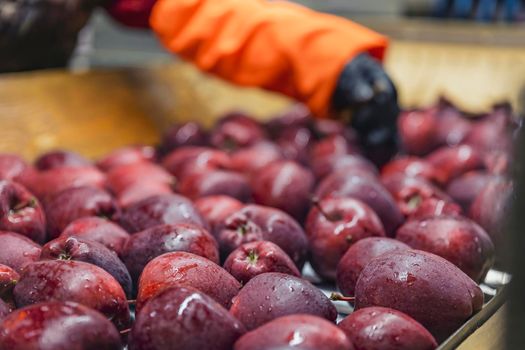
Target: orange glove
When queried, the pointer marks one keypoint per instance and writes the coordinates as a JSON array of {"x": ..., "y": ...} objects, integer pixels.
[{"x": 274, "y": 45}]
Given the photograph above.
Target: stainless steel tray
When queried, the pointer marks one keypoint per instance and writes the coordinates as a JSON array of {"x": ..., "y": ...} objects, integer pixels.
[{"x": 493, "y": 287}]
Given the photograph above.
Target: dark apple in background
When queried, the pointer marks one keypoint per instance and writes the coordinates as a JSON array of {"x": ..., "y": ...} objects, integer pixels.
[
  {"x": 332, "y": 226},
  {"x": 158, "y": 210},
  {"x": 414, "y": 167},
  {"x": 271, "y": 295},
  {"x": 236, "y": 130},
  {"x": 381, "y": 328},
  {"x": 17, "y": 250},
  {"x": 215, "y": 209},
  {"x": 297, "y": 115},
  {"x": 215, "y": 182},
  {"x": 255, "y": 258},
  {"x": 80, "y": 249},
  {"x": 422, "y": 285},
  {"x": 11, "y": 166},
  {"x": 249, "y": 159},
  {"x": 284, "y": 185},
  {"x": 142, "y": 247},
  {"x": 491, "y": 207},
  {"x": 46, "y": 183},
  {"x": 452, "y": 127},
  {"x": 142, "y": 190},
  {"x": 299, "y": 332},
  {"x": 183, "y": 134},
  {"x": 60, "y": 159},
  {"x": 125, "y": 156},
  {"x": 76, "y": 281},
  {"x": 187, "y": 319},
  {"x": 417, "y": 130},
  {"x": 456, "y": 161},
  {"x": 74, "y": 203},
  {"x": 333, "y": 145},
  {"x": 367, "y": 189},
  {"x": 21, "y": 212},
  {"x": 58, "y": 325},
  {"x": 187, "y": 160},
  {"x": 325, "y": 166},
  {"x": 295, "y": 143},
  {"x": 360, "y": 254},
  {"x": 182, "y": 269},
  {"x": 465, "y": 188},
  {"x": 122, "y": 177},
  {"x": 99, "y": 230},
  {"x": 258, "y": 223}
]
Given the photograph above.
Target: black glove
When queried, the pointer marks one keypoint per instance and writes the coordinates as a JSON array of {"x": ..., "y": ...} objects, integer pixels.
[
  {"x": 366, "y": 91},
  {"x": 40, "y": 33}
]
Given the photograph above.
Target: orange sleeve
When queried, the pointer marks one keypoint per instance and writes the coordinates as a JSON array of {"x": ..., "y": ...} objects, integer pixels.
[{"x": 274, "y": 45}]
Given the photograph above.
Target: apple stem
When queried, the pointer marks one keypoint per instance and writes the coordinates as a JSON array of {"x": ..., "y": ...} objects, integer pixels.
[
  {"x": 339, "y": 297},
  {"x": 317, "y": 204}
]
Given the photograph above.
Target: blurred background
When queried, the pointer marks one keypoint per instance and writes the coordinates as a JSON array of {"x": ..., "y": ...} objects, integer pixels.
[{"x": 107, "y": 44}]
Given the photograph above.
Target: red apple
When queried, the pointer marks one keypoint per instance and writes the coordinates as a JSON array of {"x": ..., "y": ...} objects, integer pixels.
[
  {"x": 187, "y": 319},
  {"x": 158, "y": 210},
  {"x": 297, "y": 115},
  {"x": 491, "y": 206},
  {"x": 60, "y": 159},
  {"x": 58, "y": 325},
  {"x": 258, "y": 223},
  {"x": 76, "y": 281},
  {"x": 46, "y": 183},
  {"x": 466, "y": 187},
  {"x": 334, "y": 225},
  {"x": 457, "y": 239},
  {"x": 80, "y": 249},
  {"x": 381, "y": 328},
  {"x": 17, "y": 250},
  {"x": 125, "y": 156},
  {"x": 368, "y": 189},
  {"x": 284, "y": 185},
  {"x": 215, "y": 182},
  {"x": 250, "y": 159},
  {"x": 99, "y": 230},
  {"x": 122, "y": 177},
  {"x": 180, "y": 135},
  {"x": 215, "y": 209},
  {"x": 411, "y": 192},
  {"x": 187, "y": 160},
  {"x": 21, "y": 212},
  {"x": 295, "y": 143},
  {"x": 255, "y": 258},
  {"x": 414, "y": 167},
  {"x": 297, "y": 332},
  {"x": 236, "y": 130},
  {"x": 360, "y": 254},
  {"x": 11, "y": 166},
  {"x": 182, "y": 269},
  {"x": 142, "y": 247},
  {"x": 455, "y": 161},
  {"x": 418, "y": 131},
  {"x": 8, "y": 280},
  {"x": 74, "y": 203}
]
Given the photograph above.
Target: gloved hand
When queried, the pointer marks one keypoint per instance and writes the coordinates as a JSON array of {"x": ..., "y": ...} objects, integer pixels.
[
  {"x": 40, "y": 33},
  {"x": 366, "y": 95},
  {"x": 133, "y": 13}
]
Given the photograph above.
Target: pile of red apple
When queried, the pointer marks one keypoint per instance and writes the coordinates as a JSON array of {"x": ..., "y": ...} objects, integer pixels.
[{"x": 205, "y": 236}]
